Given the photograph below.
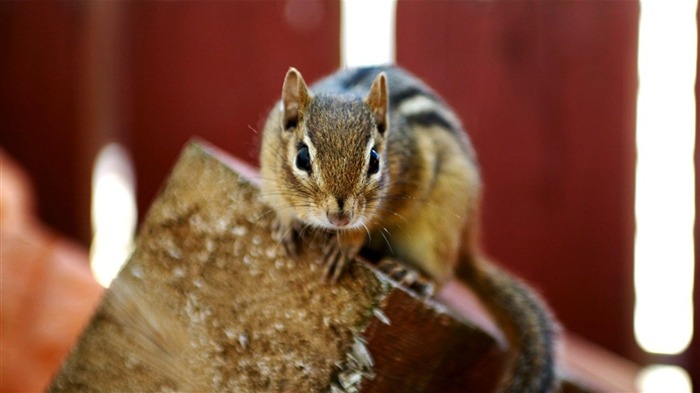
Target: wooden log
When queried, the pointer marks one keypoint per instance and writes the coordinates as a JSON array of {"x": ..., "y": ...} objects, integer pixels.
[{"x": 208, "y": 302}]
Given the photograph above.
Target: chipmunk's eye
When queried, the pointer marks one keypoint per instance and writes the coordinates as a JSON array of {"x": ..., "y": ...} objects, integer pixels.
[
  {"x": 303, "y": 160},
  {"x": 373, "y": 162}
]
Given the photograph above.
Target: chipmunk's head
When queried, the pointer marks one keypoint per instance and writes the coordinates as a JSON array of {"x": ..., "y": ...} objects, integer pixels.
[{"x": 333, "y": 170}]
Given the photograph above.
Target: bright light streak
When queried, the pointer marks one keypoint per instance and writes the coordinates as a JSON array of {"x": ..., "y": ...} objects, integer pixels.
[
  {"x": 663, "y": 379},
  {"x": 367, "y": 32},
  {"x": 113, "y": 213},
  {"x": 665, "y": 184}
]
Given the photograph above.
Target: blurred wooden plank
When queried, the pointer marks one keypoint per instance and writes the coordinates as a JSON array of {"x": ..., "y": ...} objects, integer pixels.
[
  {"x": 148, "y": 75},
  {"x": 39, "y": 80},
  {"x": 588, "y": 367},
  {"x": 47, "y": 292},
  {"x": 547, "y": 92},
  {"x": 214, "y": 69}
]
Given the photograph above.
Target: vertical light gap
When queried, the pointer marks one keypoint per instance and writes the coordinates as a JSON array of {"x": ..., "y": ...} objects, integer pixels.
[
  {"x": 367, "y": 32},
  {"x": 665, "y": 182},
  {"x": 113, "y": 212},
  {"x": 664, "y": 379}
]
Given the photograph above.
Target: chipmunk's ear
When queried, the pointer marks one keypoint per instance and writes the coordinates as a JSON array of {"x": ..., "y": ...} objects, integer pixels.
[
  {"x": 378, "y": 101},
  {"x": 295, "y": 98}
]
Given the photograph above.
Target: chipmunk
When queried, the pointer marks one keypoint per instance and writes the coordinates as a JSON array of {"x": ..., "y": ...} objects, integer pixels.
[{"x": 375, "y": 157}]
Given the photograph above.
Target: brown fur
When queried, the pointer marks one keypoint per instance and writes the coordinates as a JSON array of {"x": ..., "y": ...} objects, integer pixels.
[{"x": 422, "y": 206}]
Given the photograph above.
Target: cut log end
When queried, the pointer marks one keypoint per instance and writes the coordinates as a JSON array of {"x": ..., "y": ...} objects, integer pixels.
[{"x": 209, "y": 302}]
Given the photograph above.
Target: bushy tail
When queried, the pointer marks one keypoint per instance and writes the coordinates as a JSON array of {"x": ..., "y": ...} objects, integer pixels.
[{"x": 525, "y": 321}]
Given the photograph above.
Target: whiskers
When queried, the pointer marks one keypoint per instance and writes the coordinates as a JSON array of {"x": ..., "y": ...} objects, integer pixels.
[
  {"x": 255, "y": 130},
  {"x": 259, "y": 217},
  {"x": 386, "y": 240},
  {"x": 369, "y": 235}
]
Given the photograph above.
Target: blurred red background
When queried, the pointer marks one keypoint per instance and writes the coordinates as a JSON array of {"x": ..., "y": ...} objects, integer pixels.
[{"x": 546, "y": 90}]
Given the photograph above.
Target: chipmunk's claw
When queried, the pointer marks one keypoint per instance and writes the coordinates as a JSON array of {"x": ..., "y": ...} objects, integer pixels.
[
  {"x": 406, "y": 277},
  {"x": 335, "y": 261},
  {"x": 287, "y": 236}
]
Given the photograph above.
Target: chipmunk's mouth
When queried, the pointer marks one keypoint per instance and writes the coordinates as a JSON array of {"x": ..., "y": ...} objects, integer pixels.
[
  {"x": 337, "y": 221},
  {"x": 337, "y": 214},
  {"x": 352, "y": 225}
]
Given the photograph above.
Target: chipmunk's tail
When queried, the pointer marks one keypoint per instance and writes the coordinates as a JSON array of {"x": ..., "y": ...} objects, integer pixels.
[{"x": 524, "y": 320}]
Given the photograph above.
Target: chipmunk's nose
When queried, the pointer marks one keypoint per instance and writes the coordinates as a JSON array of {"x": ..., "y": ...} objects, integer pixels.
[
  {"x": 339, "y": 219},
  {"x": 340, "y": 211}
]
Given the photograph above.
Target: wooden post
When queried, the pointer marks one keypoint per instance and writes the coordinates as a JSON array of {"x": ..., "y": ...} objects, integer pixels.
[{"x": 208, "y": 302}]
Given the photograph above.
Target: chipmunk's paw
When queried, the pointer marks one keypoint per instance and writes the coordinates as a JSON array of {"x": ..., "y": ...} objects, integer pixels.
[
  {"x": 406, "y": 277},
  {"x": 335, "y": 260},
  {"x": 286, "y": 235}
]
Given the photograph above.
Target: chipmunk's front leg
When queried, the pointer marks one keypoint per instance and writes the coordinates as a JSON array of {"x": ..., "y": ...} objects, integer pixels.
[
  {"x": 340, "y": 249},
  {"x": 285, "y": 231}
]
